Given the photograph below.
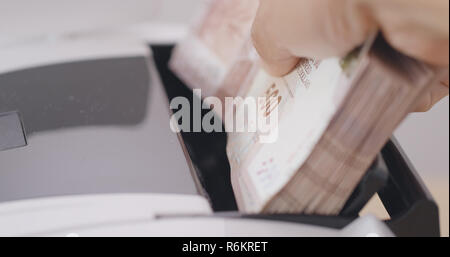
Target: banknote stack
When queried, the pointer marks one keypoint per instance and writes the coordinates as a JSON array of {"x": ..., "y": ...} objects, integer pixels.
[
  {"x": 218, "y": 56},
  {"x": 334, "y": 115}
]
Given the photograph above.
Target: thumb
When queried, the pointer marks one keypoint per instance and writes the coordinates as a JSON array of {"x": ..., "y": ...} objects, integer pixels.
[
  {"x": 435, "y": 94},
  {"x": 286, "y": 30}
]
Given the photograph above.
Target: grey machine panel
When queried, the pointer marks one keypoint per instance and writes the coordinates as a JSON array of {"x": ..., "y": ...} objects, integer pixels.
[{"x": 89, "y": 127}]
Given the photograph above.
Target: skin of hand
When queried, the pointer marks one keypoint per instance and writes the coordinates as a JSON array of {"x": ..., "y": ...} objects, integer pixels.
[{"x": 286, "y": 30}]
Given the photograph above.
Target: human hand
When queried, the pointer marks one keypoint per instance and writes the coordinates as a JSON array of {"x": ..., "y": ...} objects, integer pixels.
[{"x": 286, "y": 30}]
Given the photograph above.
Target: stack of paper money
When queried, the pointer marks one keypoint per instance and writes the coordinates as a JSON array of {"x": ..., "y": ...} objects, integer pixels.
[
  {"x": 218, "y": 56},
  {"x": 333, "y": 116}
]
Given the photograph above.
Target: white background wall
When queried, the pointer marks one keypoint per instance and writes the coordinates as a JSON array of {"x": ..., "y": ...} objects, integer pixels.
[
  {"x": 425, "y": 137},
  {"x": 24, "y": 17}
]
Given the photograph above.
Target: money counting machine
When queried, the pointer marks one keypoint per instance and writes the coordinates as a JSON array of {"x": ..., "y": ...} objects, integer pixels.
[
  {"x": 411, "y": 207},
  {"x": 86, "y": 150}
]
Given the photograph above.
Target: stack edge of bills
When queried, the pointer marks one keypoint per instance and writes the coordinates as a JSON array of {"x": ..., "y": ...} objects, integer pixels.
[{"x": 333, "y": 116}]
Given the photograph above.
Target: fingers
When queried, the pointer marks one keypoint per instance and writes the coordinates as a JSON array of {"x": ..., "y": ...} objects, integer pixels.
[
  {"x": 418, "y": 28},
  {"x": 269, "y": 32},
  {"x": 436, "y": 93},
  {"x": 285, "y": 30},
  {"x": 423, "y": 47},
  {"x": 276, "y": 59}
]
